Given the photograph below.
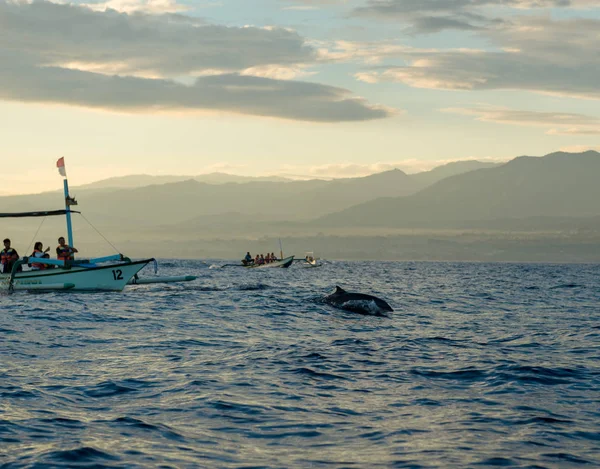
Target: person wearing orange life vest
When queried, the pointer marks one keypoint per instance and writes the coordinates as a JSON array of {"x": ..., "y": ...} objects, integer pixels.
[
  {"x": 64, "y": 252},
  {"x": 8, "y": 256},
  {"x": 39, "y": 253}
]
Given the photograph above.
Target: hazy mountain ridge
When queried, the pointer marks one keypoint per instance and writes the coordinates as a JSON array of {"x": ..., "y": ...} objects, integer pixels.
[
  {"x": 175, "y": 202},
  {"x": 556, "y": 185},
  {"x": 531, "y": 208},
  {"x": 427, "y": 178},
  {"x": 140, "y": 180}
]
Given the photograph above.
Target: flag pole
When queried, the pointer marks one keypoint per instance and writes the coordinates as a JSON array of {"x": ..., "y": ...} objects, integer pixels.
[
  {"x": 60, "y": 164},
  {"x": 68, "y": 212}
]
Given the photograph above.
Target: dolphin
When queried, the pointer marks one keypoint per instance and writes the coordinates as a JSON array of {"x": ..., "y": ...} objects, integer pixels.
[{"x": 358, "y": 303}]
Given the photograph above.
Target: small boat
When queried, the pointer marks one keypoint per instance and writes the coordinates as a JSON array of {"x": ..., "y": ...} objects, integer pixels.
[
  {"x": 108, "y": 273},
  {"x": 310, "y": 260},
  {"x": 282, "y": 263}
]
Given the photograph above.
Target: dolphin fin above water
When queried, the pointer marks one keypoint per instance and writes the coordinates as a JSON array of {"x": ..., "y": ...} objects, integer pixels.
[{"x": 357, "y": 302}]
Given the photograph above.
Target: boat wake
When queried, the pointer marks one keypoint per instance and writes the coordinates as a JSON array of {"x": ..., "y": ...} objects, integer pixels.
[{"x": 253, "y": 287}]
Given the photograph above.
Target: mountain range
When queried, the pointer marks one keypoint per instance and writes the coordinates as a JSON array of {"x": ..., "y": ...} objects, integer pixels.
[
  {"x": 557, "y": 193},
  {"x": 557, "y": 185},
  {"x": 172, "y": 200},
  {"x": 141, "y": 180}
]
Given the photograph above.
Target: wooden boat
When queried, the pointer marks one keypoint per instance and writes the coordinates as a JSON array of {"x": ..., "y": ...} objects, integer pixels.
[
  {"x": 108, "y": 273},
  {"x": 282, "y": 263}
]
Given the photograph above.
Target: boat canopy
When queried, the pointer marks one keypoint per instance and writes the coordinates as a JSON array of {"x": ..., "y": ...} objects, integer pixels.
[{"x": 40, "y": 213}]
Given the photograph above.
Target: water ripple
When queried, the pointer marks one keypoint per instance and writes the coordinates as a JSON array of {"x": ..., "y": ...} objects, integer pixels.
[{"x": 481, "y": 365}]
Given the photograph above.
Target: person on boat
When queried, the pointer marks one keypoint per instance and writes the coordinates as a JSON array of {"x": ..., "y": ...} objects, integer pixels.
[
  {"x": 64, "y": 252},
  {"x": 40, "y": 253},
  {"x": 8, "y": 256},
  {"x": 247, "y": 259},
  {"x": 261, "y": 260},
  {"x": 273, "y": 257},
  {"x": 268, "y": 258}
]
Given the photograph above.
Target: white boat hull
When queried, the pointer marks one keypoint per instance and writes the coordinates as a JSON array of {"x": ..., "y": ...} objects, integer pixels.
[{"x": 111, "y": 277}]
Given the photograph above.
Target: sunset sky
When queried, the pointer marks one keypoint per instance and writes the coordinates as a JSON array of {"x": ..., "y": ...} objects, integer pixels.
[{"x": 322, "y": 88}]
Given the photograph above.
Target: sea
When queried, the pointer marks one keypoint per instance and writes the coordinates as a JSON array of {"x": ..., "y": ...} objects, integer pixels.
[{"x": 480, "y": 365}]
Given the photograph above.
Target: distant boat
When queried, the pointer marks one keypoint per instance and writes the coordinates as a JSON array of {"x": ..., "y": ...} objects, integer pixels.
[
  {"x": 283, "y": 264},
  {"x": 310, "y": 260},
  {"x": 108, "y": 273}
]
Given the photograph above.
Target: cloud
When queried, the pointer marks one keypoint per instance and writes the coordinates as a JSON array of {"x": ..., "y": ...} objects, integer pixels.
[
  {"x": 344, "y": 170},
  {"x": 230, "y": 93},
  {"x": 278, "y": 72},
  {"x": 307, "y": 5},
  {"x": 230, "y": 168},
  {"x": 430, "y": 16},
  {"x": 564, "y": 123},
  {"x": 139, "y": 62},
  {"x": 317, "y": 3},
  {"x": 534, "y": 53},
  {"x": 580, "y": 148},
  {"x": 164, "y": 45},
  {"x": 146, "y": 6},
  {"x": 575, "y": 131},
  {"x": 364, "y": 52}
]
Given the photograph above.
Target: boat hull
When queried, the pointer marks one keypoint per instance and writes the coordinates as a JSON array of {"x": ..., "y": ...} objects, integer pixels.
[
  {"x": 111, "y": 277},
  {"x": 282, "y": 264}
]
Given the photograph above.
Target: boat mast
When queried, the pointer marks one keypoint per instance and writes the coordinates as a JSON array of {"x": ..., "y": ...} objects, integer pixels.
[
  {"x": 68, "y": 212},
  {"x": 60, "y": 164}
]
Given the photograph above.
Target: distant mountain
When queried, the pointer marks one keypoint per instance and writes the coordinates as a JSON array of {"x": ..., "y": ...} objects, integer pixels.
[
  {"x": 224, "y": 178},
  {"x": 131, "y": 181},
  {"x": 438, "y": 173},
  {"x": 141, "y": 180},
  {"x": 538, "y": 209},
  {"x": 176, "y": 202},
  {"x": 557, "y": 185},
  {"x": 419, "y": 180}
]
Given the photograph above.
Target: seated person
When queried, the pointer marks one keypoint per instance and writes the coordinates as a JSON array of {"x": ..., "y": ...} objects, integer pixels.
[
  {"x": 39, "y": 252},
  {"x": 8, "y": 256},
  {"x": 247, "y": 260},
  {"x": 64, "y": 252}
]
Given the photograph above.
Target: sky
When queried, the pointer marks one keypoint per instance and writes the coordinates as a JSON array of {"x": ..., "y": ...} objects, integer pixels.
[{"x": 300, "y": 88}]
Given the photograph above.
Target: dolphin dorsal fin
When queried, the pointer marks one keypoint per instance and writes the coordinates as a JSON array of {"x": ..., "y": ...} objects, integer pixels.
[{"x": 339, "y": 290}]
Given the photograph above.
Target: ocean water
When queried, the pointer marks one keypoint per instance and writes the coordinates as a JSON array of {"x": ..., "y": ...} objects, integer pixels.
[{"x": 480, "y": 365}]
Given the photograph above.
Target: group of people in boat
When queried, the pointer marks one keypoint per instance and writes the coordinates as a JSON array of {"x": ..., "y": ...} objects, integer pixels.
[
  {"x": 9, "y": 255},
  {"x": 260, "y": 259}
]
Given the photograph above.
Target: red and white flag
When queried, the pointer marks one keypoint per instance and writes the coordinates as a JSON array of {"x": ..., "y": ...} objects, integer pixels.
[{"x": 60, "y": 164}]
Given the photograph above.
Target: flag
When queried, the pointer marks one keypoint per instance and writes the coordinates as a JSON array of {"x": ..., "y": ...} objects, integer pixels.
[{"x": 60, "y": 164}]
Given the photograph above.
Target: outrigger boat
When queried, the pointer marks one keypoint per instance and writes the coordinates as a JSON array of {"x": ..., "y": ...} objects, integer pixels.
[
  {"x": 109, "y": 273},
  {"x": 282, "y": 263},
  {"x": 310, "y": 259}
]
